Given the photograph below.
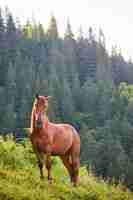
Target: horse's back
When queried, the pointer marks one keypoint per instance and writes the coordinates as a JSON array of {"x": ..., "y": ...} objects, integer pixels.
[
  {"x": 64, "y": 137},
  {"x": 66, "y": 130}
]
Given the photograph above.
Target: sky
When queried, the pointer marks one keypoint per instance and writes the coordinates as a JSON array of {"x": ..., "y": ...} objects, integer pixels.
[{"x": 115, "y": 17}]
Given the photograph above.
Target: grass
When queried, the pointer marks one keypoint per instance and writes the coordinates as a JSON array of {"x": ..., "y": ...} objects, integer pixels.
[{"x": 19, "y": 179}]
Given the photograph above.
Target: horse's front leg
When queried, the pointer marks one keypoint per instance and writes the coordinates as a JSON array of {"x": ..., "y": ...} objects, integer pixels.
[
  {"x": 40, "y": 158},
  {"x": 48, "y": 166}
]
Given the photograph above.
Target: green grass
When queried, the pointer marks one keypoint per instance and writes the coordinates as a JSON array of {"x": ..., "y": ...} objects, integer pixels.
[{"x": 19, "y": 179}]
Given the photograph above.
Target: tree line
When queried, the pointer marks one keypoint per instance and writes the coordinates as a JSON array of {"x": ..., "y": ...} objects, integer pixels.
[{"x": 85, "y": 83}]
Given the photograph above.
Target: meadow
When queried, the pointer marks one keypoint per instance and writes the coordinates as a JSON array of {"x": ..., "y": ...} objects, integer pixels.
[{"x": 19, "y": 179}]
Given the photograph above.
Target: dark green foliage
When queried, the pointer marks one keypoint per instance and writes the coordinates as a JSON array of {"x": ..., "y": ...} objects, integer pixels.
[{"x": 108, "y": 143}]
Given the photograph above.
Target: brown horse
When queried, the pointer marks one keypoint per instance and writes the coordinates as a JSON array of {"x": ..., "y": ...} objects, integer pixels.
[{"x": 52, "y": 139}]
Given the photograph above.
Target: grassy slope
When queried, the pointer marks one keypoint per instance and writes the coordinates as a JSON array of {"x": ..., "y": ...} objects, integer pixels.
[{"x": 19, "y": 180}]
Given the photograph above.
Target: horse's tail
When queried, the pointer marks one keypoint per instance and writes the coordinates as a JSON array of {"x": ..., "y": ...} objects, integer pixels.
[
  {"x": 75, "y": 156},
  {"x": 75, "y": 133},
  {"x": 76, "y": 141}
]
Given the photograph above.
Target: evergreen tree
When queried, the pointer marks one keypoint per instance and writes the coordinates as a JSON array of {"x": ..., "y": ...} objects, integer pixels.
[
  {"x": 10, "y": 31},
  {"x": 101, "y": 38},
  {"x": 28, "y": 30},
  {"x": 2, "y": 106},
  {"x": 11, "y": 84},
  {"x": 41, "y": 32},
  {"x": 70, "y": 53},
  {"x": 76, "y": 93},
  {"x": 3, "y": 58},
  {"x": 54, "y": 91},
  {"x": 52, "y": 32},
  {"x": 68, "y": 33},
  {"x": 83, "y": 60},
  {"x": 10, "y": 115},
  {"x": 2, "y": 30},
  {"x": 67, "y": 104}
]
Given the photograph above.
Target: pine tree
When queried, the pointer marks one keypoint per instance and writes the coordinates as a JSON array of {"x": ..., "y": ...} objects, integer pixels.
[
  {"x": 76, "y": 92},
  {"x": 9, "y": 120},
  {"x": 11, "y": 84},
  {"x": 80, "y": 34},
  {"x": 101, "y": 38},
  {"x": 28, "y": 30},
  {"x": 10, "y": 115},
  {"x": 10, "y": 31},
  {"x": 2, "y": 30},
  {"x": 11, "y": 38},
  {"x": 91, "y": 37},
  {"x": 2, "y": 105},
  {"x": 83, "y": 59},
  {"x": 67, "y": 104},
  {"x": 54, "y": 91},
  {"x": 68, "y": 33},
  {"x": 70, "y": 53},
  {"x": 52, "y": 32},
  {"x": 3, "y": 58},
  {"x": 41, "y": 32}
]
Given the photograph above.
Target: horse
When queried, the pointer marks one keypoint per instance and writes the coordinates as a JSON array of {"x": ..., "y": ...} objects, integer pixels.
[{"x": 54, "y": 139}]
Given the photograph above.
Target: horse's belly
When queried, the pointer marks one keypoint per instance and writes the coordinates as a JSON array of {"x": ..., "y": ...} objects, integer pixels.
[
  {"x": 60, "y": 148},
  {"x": 58, "y": 151}
]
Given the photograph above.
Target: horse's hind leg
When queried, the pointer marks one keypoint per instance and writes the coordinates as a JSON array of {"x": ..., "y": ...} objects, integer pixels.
[
  {"x": 75, "y": 154},
  {"x": 75, "y": 166},
  {"x": 67, "y": 163}
]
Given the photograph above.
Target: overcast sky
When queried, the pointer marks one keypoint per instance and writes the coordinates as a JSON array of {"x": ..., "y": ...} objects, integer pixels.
[{"x": 115, "y": 17}]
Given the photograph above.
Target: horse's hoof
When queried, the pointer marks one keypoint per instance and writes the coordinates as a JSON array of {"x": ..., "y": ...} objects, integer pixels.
[
  {"x": 75, "y": 183},
  {"x": 50, "y": 181}
]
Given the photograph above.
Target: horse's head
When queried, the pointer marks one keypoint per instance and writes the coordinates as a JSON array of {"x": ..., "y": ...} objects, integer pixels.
[{"x": 41, "y": 108}]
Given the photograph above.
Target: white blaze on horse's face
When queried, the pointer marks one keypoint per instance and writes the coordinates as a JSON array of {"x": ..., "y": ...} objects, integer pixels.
[
  {"x": 39, "y": 120},
  {"x": 41, "y": 105}
]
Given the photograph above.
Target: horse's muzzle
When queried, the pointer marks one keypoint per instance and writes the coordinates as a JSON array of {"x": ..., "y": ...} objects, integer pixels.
[{"x": 39, "y": 124}]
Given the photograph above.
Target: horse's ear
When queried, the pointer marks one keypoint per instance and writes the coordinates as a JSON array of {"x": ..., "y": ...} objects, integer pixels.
[
  {"x": 48, "y": 97},
  {"x": 37, "y": 96}
]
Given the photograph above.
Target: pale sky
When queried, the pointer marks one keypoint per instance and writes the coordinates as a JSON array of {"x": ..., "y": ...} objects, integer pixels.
[{"x": 115, "y": 17}]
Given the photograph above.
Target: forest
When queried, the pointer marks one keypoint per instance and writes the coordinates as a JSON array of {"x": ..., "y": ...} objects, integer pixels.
[{"x": 90, "y": 89}]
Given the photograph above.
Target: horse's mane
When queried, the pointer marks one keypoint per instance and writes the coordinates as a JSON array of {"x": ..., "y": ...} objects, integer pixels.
[{"x": 32, "y": 116}]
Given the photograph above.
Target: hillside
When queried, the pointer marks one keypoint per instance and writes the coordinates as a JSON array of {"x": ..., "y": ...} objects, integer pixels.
[{"x": 19, "y": 179}]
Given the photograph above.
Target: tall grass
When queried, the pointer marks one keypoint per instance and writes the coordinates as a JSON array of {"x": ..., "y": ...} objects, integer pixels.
[{"x": 19, "y": 179}]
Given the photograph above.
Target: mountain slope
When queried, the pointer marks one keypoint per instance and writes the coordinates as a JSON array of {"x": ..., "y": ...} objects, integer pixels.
[{"x": 19, "y": 180}]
